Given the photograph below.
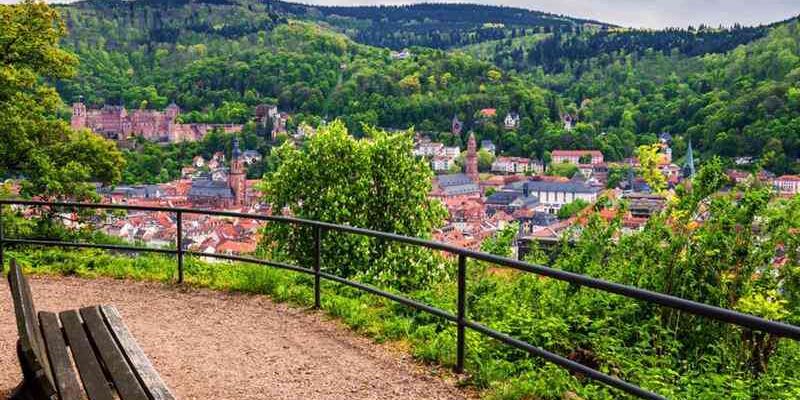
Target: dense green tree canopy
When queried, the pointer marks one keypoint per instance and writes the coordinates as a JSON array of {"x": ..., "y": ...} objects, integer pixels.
[
  {"x": 372, "y": 183},
  {"x": 36, "y": 146}
]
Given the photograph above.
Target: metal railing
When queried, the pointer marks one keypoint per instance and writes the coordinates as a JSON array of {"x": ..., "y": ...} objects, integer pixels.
[{"x": 460, "y": 319}]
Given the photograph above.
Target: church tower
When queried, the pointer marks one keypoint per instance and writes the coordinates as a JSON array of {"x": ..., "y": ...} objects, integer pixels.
[
  {"x": 688, "y": 165},
  {"x": 236, "y": 177},
  {"x": 472, "y": 158},
  {"x": 78, "y": 120}
]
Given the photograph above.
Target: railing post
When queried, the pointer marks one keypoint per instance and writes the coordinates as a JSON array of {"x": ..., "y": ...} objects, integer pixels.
[
  {"x": 179, "y": 243},
  {"x": 2, "y": 242},
  {"x": 317, "y": 263},
  {"x": 461, "y": 312}
]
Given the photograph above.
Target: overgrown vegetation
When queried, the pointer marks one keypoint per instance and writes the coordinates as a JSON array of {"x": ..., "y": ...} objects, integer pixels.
[
  {"x": 734, "y": 249},
  {"x": 743, "y": 255},
  {"x": 54, "y": 161}
]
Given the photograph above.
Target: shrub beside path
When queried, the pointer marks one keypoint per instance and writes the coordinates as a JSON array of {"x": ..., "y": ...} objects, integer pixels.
[{"x": 215, "y": 345}]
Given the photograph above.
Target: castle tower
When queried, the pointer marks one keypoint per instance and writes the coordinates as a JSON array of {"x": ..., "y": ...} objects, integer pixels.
[
  {"x": 472, "y": 158},
  {"x": 167, "y": 125},
  {"x": 78, "y": 120},
  {"x": 236, "y": 177},
  {"x": 172, "y": 111}
]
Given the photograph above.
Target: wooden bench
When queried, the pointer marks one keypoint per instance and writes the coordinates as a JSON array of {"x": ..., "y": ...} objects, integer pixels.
[{"x": 78, "y": 354}]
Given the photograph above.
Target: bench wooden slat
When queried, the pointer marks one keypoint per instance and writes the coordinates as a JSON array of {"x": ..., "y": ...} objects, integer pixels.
[
  {"x": 110, "y": 364},
  {"x": 64, "y": 375},
  {"x": 30, "y": 347},
  {"x": 125, "y": 380},
  {"x": 141, "y": 364},
  {"x": 94, "y": 380}
]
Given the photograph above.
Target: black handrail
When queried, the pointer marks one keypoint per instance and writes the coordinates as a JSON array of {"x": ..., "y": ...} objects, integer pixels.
[{"x": 462, "y": 323}]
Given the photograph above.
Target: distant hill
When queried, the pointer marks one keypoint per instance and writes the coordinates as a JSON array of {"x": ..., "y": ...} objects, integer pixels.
[
  {"x": 560, "y": 50},
  {"x": 440, "y": 26},
  {"x": 733, "y": 92},
  {"x": 128, "y": 24}
]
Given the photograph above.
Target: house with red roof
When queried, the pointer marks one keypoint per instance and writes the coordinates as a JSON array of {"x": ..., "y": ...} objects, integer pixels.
[{"x": 488, "y": 112}]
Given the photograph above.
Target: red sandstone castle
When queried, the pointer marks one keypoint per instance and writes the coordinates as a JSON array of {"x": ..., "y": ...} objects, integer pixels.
[{"x": 115, "y": 122}]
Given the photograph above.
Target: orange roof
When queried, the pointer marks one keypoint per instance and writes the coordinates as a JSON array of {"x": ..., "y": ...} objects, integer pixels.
[
  {"x": 230, "y": 246},
  {"x": 489, "y": 112},
  {"x": 792, "y": 178},
  {"x": 502, "y": 216}
]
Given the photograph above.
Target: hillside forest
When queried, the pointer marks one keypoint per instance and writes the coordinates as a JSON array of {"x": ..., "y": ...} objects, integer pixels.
[{"x": 732, "y": 91}]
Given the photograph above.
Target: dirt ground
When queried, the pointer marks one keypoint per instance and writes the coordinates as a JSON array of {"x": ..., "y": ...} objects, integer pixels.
[{"x": 213, "y": 345}]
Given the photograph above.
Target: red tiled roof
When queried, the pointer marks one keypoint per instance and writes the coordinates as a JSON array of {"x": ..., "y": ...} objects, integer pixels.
[
  {"x": 489, "y": 112},
  {"x": 230, "y": 246}
]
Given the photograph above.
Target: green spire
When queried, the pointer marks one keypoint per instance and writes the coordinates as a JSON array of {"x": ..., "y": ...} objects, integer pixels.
[{"x": 688, "y": 165}]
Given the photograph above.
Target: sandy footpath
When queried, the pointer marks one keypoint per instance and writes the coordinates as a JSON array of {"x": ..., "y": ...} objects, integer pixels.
[{"x": 213, "y": 345}]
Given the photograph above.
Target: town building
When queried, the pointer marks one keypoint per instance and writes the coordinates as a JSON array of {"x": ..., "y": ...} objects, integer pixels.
[
  {"x": 465, "y": 212},
  {"x": 251, "y": 157},
  {"x": 516, "y": 165},
  {"x": 455, "y": 186},
  {"x": 568, "y": 121},
  {"x": 510, "y": 202},
  {"x": 122, "y": 194},
  {"x": 787, "y": 185},
  {"x": 488, "y": 146},
  {"x": 400, "y": 55},
  {"x": 428, "y": 149},
  {"x": 553, "y": 195},
  {"x": 442, "y": 164},
  {"x": 450, "y": 151},
  {"x": 266, "y": 115},
  {"x": 198, "y": 161},
  {"x": 645, "y": 205},
  {"x": 218, "y": 193},
  {"x": 488, "y": 113},
  {"x": 496, "y": 182},
  {"x": 511, "y": 121},
  {"x": 116, "y": 123},
  {"x": 575, "y": 156}
]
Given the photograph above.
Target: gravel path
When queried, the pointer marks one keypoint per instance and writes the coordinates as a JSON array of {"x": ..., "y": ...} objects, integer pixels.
[{"x": 214, "y": 345}]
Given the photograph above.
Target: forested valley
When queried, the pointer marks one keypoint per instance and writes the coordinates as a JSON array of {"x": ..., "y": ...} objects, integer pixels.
[{"x": 732, "y": 91}]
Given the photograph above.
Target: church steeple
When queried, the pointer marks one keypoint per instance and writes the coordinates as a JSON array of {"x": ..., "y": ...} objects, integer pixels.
[
  {"x": 472, "y": 158},
  {"x": 236, "y": 151},
  {"x": 688, "y": 165},
  {"x": 236, "y": 177}
]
